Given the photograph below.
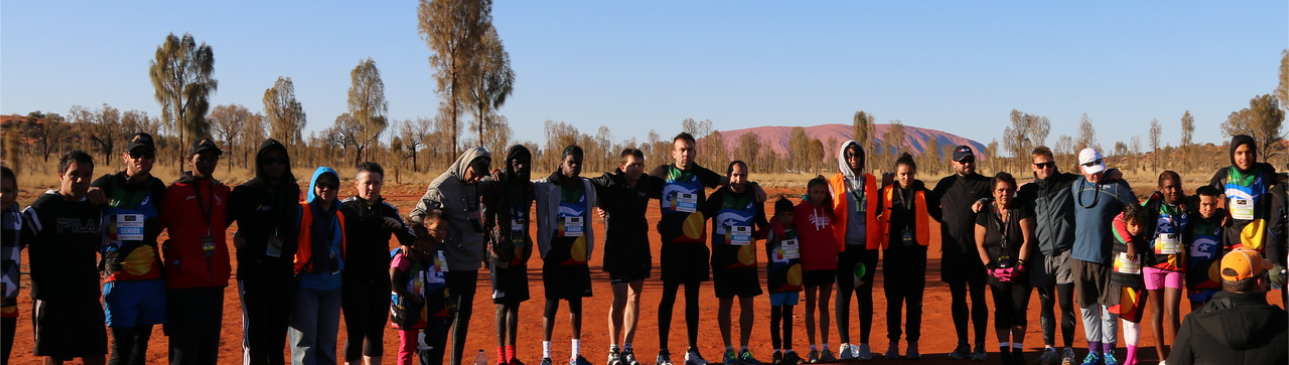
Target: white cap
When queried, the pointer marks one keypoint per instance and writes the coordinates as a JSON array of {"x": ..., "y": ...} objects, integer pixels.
[{"x": 1090, "y": 161}]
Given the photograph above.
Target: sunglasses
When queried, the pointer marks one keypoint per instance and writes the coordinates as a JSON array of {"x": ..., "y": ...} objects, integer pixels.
[
  {"x": 1093, "y": 163},
  {"x": 1046, "y": 165},
  {"x": 142, "y": 154},
  {"x": 274, "y": 160}
]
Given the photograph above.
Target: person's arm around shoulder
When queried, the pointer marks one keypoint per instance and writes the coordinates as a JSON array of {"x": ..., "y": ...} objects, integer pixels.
[{"x": 431, "y": 200}]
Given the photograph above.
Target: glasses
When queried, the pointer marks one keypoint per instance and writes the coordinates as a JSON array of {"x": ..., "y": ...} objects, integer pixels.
[
  {"x": 1092, "y": 163},
  {"x": 142, "y": 154},
  {"x": 1046, "y": 165},
  {"x": 274, "y": 160}
]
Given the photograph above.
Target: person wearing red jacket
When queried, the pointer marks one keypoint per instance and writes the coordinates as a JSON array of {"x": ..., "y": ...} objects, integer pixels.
[
  {"x": 196, "y": 258},
  {"x": 814, "y": 222}
]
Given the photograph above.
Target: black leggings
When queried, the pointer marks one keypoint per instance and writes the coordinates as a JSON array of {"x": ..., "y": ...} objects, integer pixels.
[
  {"x": 863, "y": 294},
  {"x": 365, "y": 302},
  {"x": 691, "y": 312},
  {"x": 904, "y": 273},
  {"x": 8, "y": 327},
  {"x": 1010, "y": 303},
  {"x": 461, "y": 285},
  {"x": 781, "y": 314},
  {"x": 193, "y": 322},
  {"x": 979, "y": 312},
  {"x": 1064, "y": 295},
  {"x": 129, "y": 345}
]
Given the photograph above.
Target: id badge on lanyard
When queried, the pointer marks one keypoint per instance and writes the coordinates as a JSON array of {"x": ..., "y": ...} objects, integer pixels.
[
  {"x": 274, "y": 246},
  {"x": 208, "y": 245},
  {"x": 908, "y": 237}
]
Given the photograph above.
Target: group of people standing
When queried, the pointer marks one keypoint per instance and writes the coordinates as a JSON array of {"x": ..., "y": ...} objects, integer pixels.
[{"x": 1076, "y": 238}]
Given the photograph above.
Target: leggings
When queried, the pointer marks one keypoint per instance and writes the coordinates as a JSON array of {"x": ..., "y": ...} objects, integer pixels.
[
  {"x": 1010, "y": 303},
  {"x": 691, "y": 312},
  {"x": 461, "y": 285},
  {"x": 979, "y": 313},
  {"x": 8, "y": 327},
  {"x": 365, "y": 302},
  {"x": 781, "y": 314},
  {"x": 129, "y": 345},
  {"x": 1064, "y": 295},
  {"x": 863, "y": 294}
]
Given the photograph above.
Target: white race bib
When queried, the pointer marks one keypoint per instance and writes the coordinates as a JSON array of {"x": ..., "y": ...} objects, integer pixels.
[
  {"x": 129, "y": 227},
  {"x": 740, "y": 235},
  {"x": 573, "y": 226},
  {"x": 1242, "y": 208},
  {"x": 687, "y": 203},
  {"x": 789, "y": 250},
  {"x": 1124, "y": 265},
  {"x": 1167, "y": 244}
]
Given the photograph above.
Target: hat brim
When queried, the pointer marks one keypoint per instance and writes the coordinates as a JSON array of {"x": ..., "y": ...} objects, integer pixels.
[{"x": 1093, "y": 169}]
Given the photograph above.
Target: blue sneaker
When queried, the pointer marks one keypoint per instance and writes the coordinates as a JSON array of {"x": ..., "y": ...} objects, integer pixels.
[
  {"x": 1109, "y": 359},
  {"x": 1093, "y": 358}
]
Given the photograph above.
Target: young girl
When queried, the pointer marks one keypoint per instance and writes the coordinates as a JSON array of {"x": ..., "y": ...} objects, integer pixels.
[
  {"x": 415, "y": 274},
  {"x": 904, "y": 220},
  {"x": 813, "y": 220},
  {"x": 1126, "y": 283},
  {"x": 9, "y": 276},
  {"x": 1164, "y": 261},
  {"x": 783, "y": 279},
  {"x": 1004, "y": 232}
]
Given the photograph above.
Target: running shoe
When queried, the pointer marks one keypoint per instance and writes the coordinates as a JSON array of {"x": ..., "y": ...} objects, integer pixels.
[
  {"x": 979, "y": 354},
  {"x": 862, "y": 352},
  {"x": 692, "y": 357},
  {"x": 812, "y": 356},
  {"x": 963, "y": 352},
  {"x": 791, "y": 358},
  {"x": 515, "y": 361},
  {"x": 664, "y": 358},
  {"x": 746, "y": 357},
  {"x": 1108, "y": 359},
  {"x": 845, "y": 352},
  {"x": 1048, "y": 357},
  {"x": 826, "y": 356},
  {"x": 1067, "y": 356},
  {"x": 1093, "y": 358},
  {"x": 730, "y": 358},
  {"x": 893, "y": 351},
  {"x": 912, "y": 353},
  {"x": 579, "y": 360},
  {"x": 629, "y": 357},
  {"x": 615, "y": 357},
  {"x": 777, "y": 358},
  {"x": 547, "y": 361}
]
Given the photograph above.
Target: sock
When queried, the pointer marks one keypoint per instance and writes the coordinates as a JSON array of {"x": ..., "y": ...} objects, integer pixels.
[
  {"x": 1094, "y": 346},
  {"x": 1018, "y": 346},
  {"x": 546, "y": 349},
  {"x": 826, "y": 346},
  {"x": 1132, "y": 354},
  {"x": 1004, "y": 345},
  {"x": 845, "y": 345},
  {"x": 613, "y": 347},
  {"x": 626, "y": 345},
  {"x": 501, "y": 354},
  {"x": 743, "y": 349},
  {"x": 510, "y": 352},
  {"x": 1107, "y": 347},
  {"x": 813, "y": 348},
  {"x": 729, "y": 348},
  {"x": 577, "y": 348}
]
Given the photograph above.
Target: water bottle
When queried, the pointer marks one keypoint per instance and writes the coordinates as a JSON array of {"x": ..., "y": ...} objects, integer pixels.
[{"x": 481, "y": 359}]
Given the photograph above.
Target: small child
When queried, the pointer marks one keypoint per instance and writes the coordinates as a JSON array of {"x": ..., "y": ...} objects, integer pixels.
[
  {"x": 1127, "y": 286},
  {"x": 1204, "y": 240},
  {"x": 418, "y": 298},
  {"x": 905, "y": 221},
  {"x": 783, "y": 279},
  {"x": 813, "y": 220}
]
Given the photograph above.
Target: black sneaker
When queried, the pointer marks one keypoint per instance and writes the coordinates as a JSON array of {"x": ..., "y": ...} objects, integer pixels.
[
  {"x": 962, "y": 352},
  {"x": 777, "y": 358},
  {"x": 791, "y": 358}
]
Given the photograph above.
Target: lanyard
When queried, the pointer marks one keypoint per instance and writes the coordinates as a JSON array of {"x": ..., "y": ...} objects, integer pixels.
[
  {"x": 1004, "y": 227},
  {"x": 205, "y": 213}
]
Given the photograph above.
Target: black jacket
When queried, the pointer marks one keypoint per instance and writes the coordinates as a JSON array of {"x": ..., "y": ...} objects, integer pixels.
[
  {"x": 950, "y": 204},
  {"x": 1053, "y": 206},
  {"x": 262, "y": 209},
  {"x": 367, "y": 248},
  {"x": 1233, "y": 328},
  {"x": 626, "y": 236}
]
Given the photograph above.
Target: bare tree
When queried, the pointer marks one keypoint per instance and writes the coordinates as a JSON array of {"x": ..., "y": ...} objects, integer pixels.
[
  {"x": 1155, "y": 131},
  {"x": 494, "y": 80},
  {"x": 1087, "y": 135},
  {"x": 413, "y": 135},
  {"x": 285, "y": 114},
  {"x": 181, "y": 74},
  {"x": 454, "y": 29},
  {"x": 863, "y": 130},
  {"x": 1282, "y": 90},
  {"x": 367, "y": 106},
  {"x": 894, "y": 136}
]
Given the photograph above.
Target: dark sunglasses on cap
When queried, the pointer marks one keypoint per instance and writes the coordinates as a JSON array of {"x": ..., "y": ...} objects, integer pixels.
[
  {"x": 1046, "y": 165},
  {"x": 1093, "y": 163},
  {"x": 274, "y": 160},
  {"x": 142, "y": 154}
]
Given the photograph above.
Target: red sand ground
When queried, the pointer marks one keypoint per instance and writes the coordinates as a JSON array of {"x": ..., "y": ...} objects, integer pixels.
[{"x": 937, "y": 327}]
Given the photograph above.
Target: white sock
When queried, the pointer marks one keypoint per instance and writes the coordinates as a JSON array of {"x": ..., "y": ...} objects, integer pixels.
[
  {"x": 1131, "y": 332},
  {"x": 845, "y": 344},
  {"x": 613, "y": 347},
  {"x": 577, "y": 347},
  {"x": 546, "y": 349}
]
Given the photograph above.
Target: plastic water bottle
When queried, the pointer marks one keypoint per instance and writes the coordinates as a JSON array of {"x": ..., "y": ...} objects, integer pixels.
[{"x": 481, "y": 359}]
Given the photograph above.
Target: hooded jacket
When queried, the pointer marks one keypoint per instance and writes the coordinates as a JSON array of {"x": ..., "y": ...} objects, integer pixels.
[
  {"x": 1258, "y": 179},
  {"x": 814, "y": 227},
  {"x": 321, "y": 239},
  {"x": 549, "y": 205},
  {"x": 1053, "y": 205},
  {"x": 187, "y": 263},
  {"x": 460, "y": 203},
  {"x": 506, "y": 207},
  {"x": 843, "y": 195},
  {"x": 263, "y": 209},
  {"x": 1233, "y": 328}
]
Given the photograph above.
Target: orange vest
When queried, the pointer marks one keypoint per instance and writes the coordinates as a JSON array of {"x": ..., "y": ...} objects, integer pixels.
[
  {"x": 305, "y": 239},
  {"x": 921, "y": 231},
  {"x": 837, "y": 185}
]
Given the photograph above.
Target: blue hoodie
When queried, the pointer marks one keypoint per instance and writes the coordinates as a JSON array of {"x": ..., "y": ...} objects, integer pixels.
[{"x": 323, "y": 274}]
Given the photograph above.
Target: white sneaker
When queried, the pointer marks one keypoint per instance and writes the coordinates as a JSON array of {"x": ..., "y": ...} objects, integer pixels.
[
  {"x": 862, "y": 352},
  {"x": 845, "y": 352},
  {"x": 692, "y": 357}
]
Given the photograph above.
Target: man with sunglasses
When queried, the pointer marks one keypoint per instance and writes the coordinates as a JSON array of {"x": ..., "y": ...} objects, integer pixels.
[
  {"x": 265, "y": 209},
  {"x": 1050, "y": 198},
  {"x": 950, "y": 203},
  {"x": 134, "y": 293},
  {"x": 1097, "y": 201}
]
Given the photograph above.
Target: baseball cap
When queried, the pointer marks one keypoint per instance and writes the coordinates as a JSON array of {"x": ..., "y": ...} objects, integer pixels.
[
  {"x": 962, "y": 152},
  {"x": 140, "y": 140},
  {"x": 203, "y": 145},
  {"x": 1242, "y": 264},
  {"x": 1090, "y": 161}
]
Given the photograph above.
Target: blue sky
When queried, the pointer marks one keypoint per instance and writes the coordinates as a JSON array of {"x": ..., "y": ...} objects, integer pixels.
[{"x": 958, "y": 66}]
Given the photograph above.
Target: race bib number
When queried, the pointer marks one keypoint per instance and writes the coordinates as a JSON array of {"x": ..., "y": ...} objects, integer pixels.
[
  {"x": 687, "y": 203},
  {"x": 740, "y": 235},
  {"x": 790, "y": 250},
  {"x": 1125, "y": 265},
  {"x": 573, "y": 226},
  {"x": 129, "y": 227},
  {"x": 1167, "y": 244},
  {"x": 274, "y": 246},
  {"x": 1242, "y": 209}
]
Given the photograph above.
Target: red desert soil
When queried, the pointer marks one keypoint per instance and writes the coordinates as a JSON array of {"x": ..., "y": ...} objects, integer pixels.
[{"x": 937, "y": 327}]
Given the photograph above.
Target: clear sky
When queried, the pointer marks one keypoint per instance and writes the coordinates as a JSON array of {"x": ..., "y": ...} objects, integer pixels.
[{"x": 958, "y": 66}]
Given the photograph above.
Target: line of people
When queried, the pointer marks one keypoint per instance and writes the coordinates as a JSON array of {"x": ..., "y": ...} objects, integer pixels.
[{"x": 1077, "y": 238}]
